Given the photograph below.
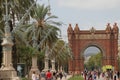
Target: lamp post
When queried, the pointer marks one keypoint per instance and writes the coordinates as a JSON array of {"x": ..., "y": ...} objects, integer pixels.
[
  {"x": 46, "y": 59},
  {"x": 53, "y": 65},
  {"x": 7, "y": 71},
  {"x": 49, "y": 8},
  {"x": 34, "y": 67},
  {"x": 46, "y": 67}
]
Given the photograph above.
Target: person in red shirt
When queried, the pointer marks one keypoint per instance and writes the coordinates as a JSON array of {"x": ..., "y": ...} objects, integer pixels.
[{"x": 48, "y": 75}]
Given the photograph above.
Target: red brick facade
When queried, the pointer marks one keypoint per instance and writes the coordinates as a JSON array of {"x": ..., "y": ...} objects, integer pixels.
[{"x": 106, "y": 40}]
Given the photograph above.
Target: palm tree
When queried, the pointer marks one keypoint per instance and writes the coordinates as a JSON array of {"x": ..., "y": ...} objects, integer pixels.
[
  {"x": 61, "y": 52},
  {"x": 46, "y": 29},
  {"x": 44, "y": 32}
]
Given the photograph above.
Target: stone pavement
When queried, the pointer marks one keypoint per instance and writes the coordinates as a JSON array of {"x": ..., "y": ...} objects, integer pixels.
[{"x": 68, "y": 76}]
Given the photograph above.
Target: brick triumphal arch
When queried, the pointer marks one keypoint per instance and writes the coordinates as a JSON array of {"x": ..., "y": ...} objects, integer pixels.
[{"x": 106, "y": 40}]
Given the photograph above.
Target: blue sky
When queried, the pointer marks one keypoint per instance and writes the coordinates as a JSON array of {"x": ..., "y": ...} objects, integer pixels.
[{"x": 85, "y": 13}]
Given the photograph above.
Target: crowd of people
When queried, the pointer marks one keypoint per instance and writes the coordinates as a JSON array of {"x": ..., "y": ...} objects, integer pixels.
[
  {"x": 97, "y": 75},
  {"x": 48, "y": 75}
]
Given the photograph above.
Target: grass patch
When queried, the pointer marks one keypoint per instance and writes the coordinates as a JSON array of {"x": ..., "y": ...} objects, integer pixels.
[{"x": 76, "y": 77}]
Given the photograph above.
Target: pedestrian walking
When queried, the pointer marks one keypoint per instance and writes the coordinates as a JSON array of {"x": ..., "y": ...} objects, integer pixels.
[
  {"x": 33, "y": 76},
  {"x": 61, "y": 75},
  {"x": 65, "y": 74},
  {"x": 54, "y": 76},
  {"x": 37, "y": 76},
  {"x": 42, "y": 75},
  {"x": 48, "y": 75}
]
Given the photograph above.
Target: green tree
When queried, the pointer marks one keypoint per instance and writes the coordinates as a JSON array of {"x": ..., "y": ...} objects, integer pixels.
[
  {"x": 95, "y": 61},
  {"x": 61, "y": 52},
  {"x": 46, "y": 29}
]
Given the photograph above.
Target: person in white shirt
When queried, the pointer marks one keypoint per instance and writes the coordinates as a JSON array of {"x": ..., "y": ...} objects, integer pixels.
[{"x": 33, "y": 76}]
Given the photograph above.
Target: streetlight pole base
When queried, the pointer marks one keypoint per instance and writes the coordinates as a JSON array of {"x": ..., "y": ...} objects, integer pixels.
[
  {"x": 7, "y": 71},
  {"x": 33, "y": 69},
  {"x": 8, "y": 74}
]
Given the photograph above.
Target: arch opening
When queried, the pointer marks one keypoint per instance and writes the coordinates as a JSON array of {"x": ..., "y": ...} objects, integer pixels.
[{"x": 93, "y": 55}]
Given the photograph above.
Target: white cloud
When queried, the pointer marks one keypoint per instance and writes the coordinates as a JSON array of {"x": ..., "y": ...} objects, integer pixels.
[{"x": 89, "y": 4}]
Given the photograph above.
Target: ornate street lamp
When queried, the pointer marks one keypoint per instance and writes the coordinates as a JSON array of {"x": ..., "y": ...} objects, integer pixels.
[
  {"x": 53, "y": 64},
  {"x": 7, "y": 70},
  {"x": 34, "y": 67},
  {"x": 46, "y": 59},
  {"x": 49, "y": 8}
]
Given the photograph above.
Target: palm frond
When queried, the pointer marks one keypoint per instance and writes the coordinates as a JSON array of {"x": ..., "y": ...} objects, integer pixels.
[
  {"x": 38, "y": 12},
  {"x": 51, "y": 17},
  {"x": 54, "y": 23}
]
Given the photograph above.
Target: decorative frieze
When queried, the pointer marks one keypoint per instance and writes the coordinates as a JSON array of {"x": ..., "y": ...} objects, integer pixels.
[{"x": 94, "y": 36}]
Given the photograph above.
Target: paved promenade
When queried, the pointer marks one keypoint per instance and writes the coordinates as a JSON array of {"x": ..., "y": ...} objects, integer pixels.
[{"x": 68, "y": 76}]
